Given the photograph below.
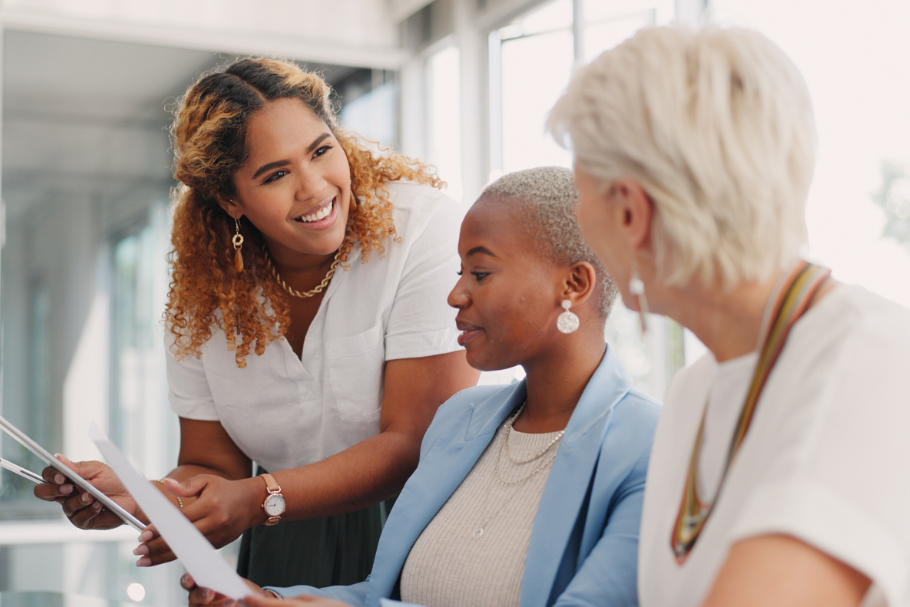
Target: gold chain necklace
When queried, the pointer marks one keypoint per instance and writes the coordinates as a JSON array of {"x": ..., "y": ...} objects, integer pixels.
[{"x": 315, "y": 290}]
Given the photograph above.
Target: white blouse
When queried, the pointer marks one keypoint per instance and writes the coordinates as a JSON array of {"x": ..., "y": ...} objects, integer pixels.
[
  {"x": 826, "y": 458},
  {"x": 283, "y": 411}
]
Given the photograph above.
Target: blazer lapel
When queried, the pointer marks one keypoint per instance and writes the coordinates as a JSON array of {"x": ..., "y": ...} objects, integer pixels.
[{"x": 569, "y": 479}]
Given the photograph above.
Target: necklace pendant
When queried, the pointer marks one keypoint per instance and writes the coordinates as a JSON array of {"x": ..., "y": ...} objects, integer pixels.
[{"x": 478, "y": 533}]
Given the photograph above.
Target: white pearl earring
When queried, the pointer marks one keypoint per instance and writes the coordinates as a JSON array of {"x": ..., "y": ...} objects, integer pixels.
[{"x": 567, "y": 322}]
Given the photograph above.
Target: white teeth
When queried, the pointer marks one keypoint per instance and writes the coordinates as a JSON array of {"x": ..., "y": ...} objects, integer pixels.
[{"x": 325, "y": 212}]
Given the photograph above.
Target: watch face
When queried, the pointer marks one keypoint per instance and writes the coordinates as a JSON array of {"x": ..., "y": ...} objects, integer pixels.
[{"x": 274, "y": 505}]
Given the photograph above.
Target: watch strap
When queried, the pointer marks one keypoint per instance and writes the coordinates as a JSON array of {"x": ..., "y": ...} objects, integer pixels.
[
  {"x": 273, "y": 488},
  {"x": 270, "y": 483}
]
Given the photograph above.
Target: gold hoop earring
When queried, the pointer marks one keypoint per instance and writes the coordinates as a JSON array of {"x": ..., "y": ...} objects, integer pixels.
[{"x": 237, "y": 241}]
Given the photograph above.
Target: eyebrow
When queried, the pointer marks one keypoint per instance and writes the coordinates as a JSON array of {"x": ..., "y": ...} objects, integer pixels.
[
  {"x": 483, "y": 250},
  {"x": 280, "y": 163},
  {"x": 269, "y": 166}
]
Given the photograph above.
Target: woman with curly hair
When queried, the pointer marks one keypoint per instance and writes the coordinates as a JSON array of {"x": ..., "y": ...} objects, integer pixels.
[{"x": 308, "y": 329}]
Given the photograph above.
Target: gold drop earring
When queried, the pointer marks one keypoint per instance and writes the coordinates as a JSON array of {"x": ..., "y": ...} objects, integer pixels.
[{"x": 237, "y": 241}]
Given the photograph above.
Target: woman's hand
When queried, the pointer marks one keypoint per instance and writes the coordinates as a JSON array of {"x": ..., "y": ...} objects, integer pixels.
[
  {"x": 79, "y": 507},
  {"x": 258, "y": 600},
  {"x": 206, "y": 597},
  {"x": 222, "y": 511}
]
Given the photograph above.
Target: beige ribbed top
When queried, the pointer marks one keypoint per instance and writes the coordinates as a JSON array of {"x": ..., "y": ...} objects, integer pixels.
[{"x": 452, "y": 563}]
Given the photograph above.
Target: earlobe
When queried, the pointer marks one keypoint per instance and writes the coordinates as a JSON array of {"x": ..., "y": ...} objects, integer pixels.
[
  {"x": 230, "y": 206},
  {"x": 578, "y": 287}
]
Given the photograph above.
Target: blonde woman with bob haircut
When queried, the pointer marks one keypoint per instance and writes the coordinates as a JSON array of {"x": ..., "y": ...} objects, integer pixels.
[
  {"x": 307, "y": 327},
  {"x": 779, "y": 470}
]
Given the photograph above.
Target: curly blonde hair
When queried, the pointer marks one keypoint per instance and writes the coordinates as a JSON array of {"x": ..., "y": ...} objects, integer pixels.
[{"x": 209, "y": 140}]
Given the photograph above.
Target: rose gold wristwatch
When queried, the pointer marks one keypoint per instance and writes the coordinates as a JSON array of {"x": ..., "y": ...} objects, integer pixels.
[{"x": 274, "y": 504}]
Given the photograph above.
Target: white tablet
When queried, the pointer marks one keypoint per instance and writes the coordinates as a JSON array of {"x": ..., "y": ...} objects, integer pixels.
[{"x": 77, "y": 480}]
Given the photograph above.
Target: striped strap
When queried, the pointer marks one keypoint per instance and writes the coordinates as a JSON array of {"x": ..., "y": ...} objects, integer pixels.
[{"x": 789, "y": 304}]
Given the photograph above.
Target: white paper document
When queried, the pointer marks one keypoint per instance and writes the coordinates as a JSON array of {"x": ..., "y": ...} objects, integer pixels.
[{"x": 194, "y": 551}]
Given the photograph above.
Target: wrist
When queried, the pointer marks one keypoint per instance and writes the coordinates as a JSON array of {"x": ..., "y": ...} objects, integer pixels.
[
  {"x": 255, "y": 493},
  {"x": 274, "y": 504},
  {"x": 174, "y": 499}
]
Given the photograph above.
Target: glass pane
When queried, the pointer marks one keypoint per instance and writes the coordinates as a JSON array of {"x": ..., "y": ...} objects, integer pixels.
[
  {"x": 603, "y": 10},
  {"x": 853, "y": 63},
  {"x": 551, "y": 16},
  {"x": 140, "y": 419},
  {"x": 370, "y": 105},
  {"x": 443, "y": 77},
  {"x": 535, "y": 70},
  {"x": 606, "y": 33},
  {"x": 103, "y": 569},
  {"x": 28, "y": 399}
]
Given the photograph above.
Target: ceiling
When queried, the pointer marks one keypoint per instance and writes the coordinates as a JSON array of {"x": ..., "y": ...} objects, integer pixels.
[{"x": 89, "y": 117}]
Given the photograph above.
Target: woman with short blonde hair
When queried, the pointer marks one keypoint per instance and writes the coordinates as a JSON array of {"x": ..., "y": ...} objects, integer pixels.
[{"x": 778, "y": 475}]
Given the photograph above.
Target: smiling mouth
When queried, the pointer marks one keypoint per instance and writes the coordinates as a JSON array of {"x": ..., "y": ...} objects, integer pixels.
[
  {"x": 468, "y": 331},
  {"x": 465, "y": 327},
  {"x": 321, "y": 212}
]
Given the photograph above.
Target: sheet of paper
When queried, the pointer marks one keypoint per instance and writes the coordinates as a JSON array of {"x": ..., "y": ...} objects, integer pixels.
[{"x": 194, "y": 551}]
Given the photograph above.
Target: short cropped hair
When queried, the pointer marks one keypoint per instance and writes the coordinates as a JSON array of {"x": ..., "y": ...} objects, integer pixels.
[
  {"x": 716, "y": 125},
  {"x": 550, "y": 201}
]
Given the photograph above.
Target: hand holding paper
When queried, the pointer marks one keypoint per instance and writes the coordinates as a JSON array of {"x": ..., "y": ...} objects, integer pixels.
[{"x": 190, "y": 546}]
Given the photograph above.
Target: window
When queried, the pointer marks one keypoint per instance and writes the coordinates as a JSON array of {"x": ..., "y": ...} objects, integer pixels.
[
  {"x": 35, "y": 415},
  {"x": 536, "y": 54},
  {"x": 443, "y": 107},
  {"x": 82, "y": 340},
  {"x": 140, "y": 418},
  {"x": 859, "y": 201},
  {"x": 369, "y": 100}
]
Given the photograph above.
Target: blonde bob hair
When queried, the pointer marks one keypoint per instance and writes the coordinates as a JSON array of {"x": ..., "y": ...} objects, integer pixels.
[{"x": 716, "y": 125}]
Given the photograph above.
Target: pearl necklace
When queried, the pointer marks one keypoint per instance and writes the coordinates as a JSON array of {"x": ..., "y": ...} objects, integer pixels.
[
  {"x": 515, "y": 460},
  {"x": 504, "y": 446}
]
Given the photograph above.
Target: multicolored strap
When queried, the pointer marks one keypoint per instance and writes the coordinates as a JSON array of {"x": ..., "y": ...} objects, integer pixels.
[{"x": 790, "y": 303}]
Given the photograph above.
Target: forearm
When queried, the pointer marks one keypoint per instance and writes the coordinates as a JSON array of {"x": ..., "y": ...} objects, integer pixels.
[
  {"x": 376, "y": 468},
  {"x": 186, "y": 471},
  {"x": 366, "y": 473}
]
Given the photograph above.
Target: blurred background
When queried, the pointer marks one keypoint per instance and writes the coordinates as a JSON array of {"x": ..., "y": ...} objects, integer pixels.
[{"x": 87, "y": 86}]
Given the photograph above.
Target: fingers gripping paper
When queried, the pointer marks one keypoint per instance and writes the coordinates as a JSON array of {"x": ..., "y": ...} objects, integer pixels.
[{"x": 194, "y": 551}]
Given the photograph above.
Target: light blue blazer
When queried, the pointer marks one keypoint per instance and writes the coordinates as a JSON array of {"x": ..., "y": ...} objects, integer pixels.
[{"x": 584, "y": 544}]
